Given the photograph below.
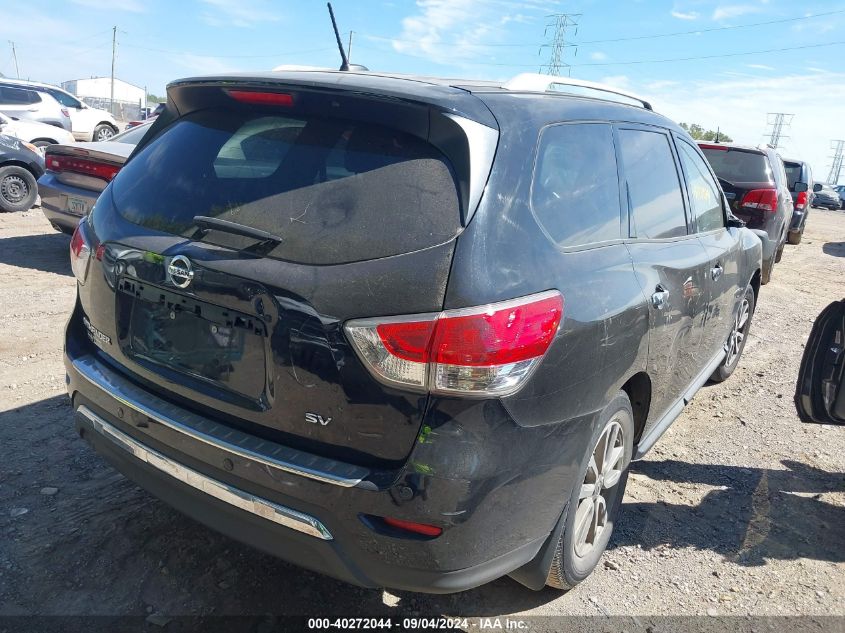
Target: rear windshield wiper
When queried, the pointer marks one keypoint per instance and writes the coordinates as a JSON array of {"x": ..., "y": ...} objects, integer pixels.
[{"x": 267, "y": 241}]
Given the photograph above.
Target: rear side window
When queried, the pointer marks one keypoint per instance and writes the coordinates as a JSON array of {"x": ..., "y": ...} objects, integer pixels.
[
  {"x": 17, "y": 96},
  {"x": 704, "y": 194},
  {"x": 575, "y": 194},
  {"x": 737, "y": 165},
  {"x": 653, "y": 187},
  {"x": 334, "y": 190}
]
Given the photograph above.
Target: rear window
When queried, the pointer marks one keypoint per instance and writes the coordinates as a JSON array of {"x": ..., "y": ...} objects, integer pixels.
[
  {"x": 793, "y": 174},
  {"x": 737, "y": 165},
  {"x": 18, "y": 96},
  {"x": 334, "y": 190}
]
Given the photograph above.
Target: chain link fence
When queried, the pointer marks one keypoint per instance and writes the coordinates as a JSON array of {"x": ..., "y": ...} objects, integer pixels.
[{"x": 123, "y": 110}]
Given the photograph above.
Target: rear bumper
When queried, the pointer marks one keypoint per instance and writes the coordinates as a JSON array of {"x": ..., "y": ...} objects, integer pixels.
[
  {"x": 314, "y": 519},
  {"x": 769, "y": 245},
  {"x": 799, "y": 216},
  {"x": 54, "y": 196}
]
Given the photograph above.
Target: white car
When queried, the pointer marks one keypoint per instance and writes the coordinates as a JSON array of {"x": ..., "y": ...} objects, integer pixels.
[
  {"x": 87, "y": 123},
  {"x": 39, "y": 134}
]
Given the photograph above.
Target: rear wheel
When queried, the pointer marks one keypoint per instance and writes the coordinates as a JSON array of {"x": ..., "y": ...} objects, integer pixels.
[
  {"x": 593, "y": 506},
  {"x": 18, "y": 189},
  {"x": 737, "y": 338},
  {"x": 779, "y": 251}
]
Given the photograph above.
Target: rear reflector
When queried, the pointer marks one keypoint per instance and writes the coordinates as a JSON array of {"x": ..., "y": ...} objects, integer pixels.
[
  {"x": 801, "y": 200},
  {"x": 61, "y": 163},
  {"x": 488, "y": 350},
  {"x": 763, "y": 199},
  {"x": 262, "y": 98},
  {"x": 416, "y": 528}
]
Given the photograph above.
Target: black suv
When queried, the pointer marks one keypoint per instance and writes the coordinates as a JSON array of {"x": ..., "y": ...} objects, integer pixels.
[
  {"x": 754, "y": 181},
  {"x": 406, "y": 332}
]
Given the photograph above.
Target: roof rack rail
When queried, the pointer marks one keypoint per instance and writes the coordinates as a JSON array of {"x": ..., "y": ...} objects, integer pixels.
[{"x": 536, "y": 82}]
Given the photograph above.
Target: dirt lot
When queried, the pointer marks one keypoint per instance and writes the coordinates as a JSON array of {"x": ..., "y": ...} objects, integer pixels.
[{"x": 740, "y": 509}]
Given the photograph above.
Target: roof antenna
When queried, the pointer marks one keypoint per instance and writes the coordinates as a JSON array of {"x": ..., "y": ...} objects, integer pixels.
[
  {"x": 345, "y": 65},
  {"x": 344, "y": 62}
]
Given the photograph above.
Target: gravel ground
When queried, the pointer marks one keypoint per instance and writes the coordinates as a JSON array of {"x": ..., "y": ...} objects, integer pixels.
[{"x": 739, "y": 509}]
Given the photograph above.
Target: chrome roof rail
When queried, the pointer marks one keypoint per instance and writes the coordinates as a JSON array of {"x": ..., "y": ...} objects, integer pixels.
[{"x": 536, "y": 82}]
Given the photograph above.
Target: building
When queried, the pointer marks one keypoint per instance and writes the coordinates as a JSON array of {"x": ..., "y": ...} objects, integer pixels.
[{"x": 99, "y": 88}]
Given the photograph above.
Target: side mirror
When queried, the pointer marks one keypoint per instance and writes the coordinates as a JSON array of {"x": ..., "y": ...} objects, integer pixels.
[
  {"x": 801, "y": 187},
  {"x": 819, "y": 395},
  {"x": 817, "y": 187},
  {"x": 734, "y": 222}
]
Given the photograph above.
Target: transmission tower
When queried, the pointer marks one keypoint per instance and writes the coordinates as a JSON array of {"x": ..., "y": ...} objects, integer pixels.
[
  {"x": 558, "y": 25},
  {"x": 779, "y": 122},
  {"x": 838, "y": 147}
]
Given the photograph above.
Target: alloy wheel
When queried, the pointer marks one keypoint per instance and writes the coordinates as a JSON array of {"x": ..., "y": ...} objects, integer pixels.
[
  {"x": 14, "y": 189},
  {"x": 105, "y": 134},
  {"x": 603, "y": 473},
  {"x": 737, "y": 335}
]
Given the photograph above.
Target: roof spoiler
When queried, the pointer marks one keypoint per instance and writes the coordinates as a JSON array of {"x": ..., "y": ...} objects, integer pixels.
[{"x": 536, "y": 82}]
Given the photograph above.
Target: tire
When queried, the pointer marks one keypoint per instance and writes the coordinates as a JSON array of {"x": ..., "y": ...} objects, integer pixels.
[
  {"x": 18, "y": 189},
  {"x": 779, "y": 251},
  {"x": 103, "y": 132},
  {"x": 794, "y": 237},
  {"x": 766, "y": 277},
  {"x": 43, "y": 142},
  {"x": 575, "y": 557},
  {"x": 737, "y": 338}
]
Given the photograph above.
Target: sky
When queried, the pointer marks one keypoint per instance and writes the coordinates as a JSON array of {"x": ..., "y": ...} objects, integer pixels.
[{"x": 686, "y": 56}]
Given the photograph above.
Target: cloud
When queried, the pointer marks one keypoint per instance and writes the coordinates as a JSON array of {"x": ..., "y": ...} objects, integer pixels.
[
  {"x": 728, "y": 11},
  {"x": 740, "y": 105},
  {"x": 446, "y": 31},
  {"x": 689, "y": 15},
  {"x": 760, "y": 66},
  {"x": 132, "y": 6},
  {"x": 239, "y": 13},
  {"x": 598, "y": 56},
  {"x": 204, "y": 65},
  {"x": 617, "y": 81}
]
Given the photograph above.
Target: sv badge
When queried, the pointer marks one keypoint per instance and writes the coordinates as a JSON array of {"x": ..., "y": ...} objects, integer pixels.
[{"x": 316, "y": 418}]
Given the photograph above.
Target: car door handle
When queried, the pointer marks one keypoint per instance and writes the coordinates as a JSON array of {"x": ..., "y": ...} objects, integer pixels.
[
  {"x": 716, "y": 271},
  {"x": 660, "y": 297}
]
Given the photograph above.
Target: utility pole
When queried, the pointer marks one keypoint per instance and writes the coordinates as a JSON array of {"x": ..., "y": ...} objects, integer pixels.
[
  {"x": 15, "y": 56},
  {"x": 349, "y": 48},
  {"x": 778, "y": 121},
  {"x": 558, "y": 23},
  {"x": 113, "y": 52},
  {"x": 838, "y": 147}
]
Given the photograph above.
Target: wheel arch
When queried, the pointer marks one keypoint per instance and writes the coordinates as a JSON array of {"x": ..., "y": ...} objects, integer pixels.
[
  {"x": 19, "y": 163},
  {"x": 638, "y": 389},
  {"x": 755, "y": 284},
  {"x": 52, "y": 141}
]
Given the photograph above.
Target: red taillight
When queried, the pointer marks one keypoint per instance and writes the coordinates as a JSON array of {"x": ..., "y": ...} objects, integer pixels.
[
  {"x": 262, "y": 98},
  {"x": 411, "y": 526},
  {"x": 489, "y": 350},
  {"x": 506, "y": 335},
  {"x": 763, "y": 199},
  {"x": 80, "y": 253},
  {"x": 801, "y": 200},
  {"x": 66, "y": 112},
  {"x": 723, "y": 148},
  {"x": 62, "y": 163}
]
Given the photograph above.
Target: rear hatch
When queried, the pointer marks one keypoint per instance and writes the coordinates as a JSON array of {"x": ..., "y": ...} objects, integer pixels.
[
  {"x": 251, "y": 224},
  {"x": 744, "y": 174}
]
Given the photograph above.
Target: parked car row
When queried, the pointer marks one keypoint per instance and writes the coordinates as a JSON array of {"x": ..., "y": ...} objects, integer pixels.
[
  {"x": 44, "y": 103},
  {"x": 828, "y": 197}
]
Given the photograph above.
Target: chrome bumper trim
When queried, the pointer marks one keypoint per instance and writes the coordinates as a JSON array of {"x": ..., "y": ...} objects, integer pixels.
[
  {"x": 225, "y": 438},
  {"x": 224, "y": 492}
]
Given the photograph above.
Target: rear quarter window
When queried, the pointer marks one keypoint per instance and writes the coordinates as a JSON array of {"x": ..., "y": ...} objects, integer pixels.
[
  {"x": 334, "y": 190},
  {"x": 575, "y": 192}
]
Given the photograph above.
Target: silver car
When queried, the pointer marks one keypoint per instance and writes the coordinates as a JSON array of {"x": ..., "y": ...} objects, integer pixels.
[{"x": 77, "y": 173}]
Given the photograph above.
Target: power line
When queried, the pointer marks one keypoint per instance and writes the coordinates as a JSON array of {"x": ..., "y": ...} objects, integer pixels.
[
  {"x": 557, "y": 47},
  {"x": 636, "y": 37},
  {"x": 172, "y": 52},
  {"x": 838, "y": 147},
  {"x": 779, "y": 121}
]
